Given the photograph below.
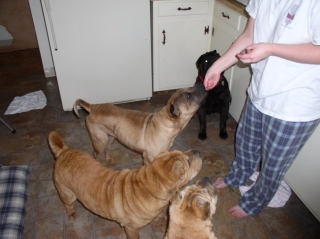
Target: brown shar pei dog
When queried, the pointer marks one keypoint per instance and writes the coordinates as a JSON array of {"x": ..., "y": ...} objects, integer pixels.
[
  {"x": 143, "y": 132},
  {"x": 133, "y": 198},
  {"x": 191, "y": 211}
]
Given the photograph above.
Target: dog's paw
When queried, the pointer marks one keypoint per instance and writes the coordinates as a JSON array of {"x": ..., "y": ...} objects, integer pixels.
[
  {"x": 73, "y": 216},
  {"x": 223, "y": 135},
  {"x": 110, "y": 161},
  {"x": 202, "y": 136}
]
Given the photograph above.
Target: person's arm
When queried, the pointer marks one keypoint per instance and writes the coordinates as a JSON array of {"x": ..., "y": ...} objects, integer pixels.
[
  {"x": 230, "y": 56},
  {"x": 302, "y": 53}
]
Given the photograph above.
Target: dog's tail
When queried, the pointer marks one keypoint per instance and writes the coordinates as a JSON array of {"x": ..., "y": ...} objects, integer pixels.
[
  {"x": 81, "y": 103},
  {"x": 56, "y": 144}
]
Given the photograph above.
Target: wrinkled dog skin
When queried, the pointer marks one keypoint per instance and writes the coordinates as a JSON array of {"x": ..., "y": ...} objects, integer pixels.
[
  {"x": 191, "y": 211},
  {"x": 218, "y": 98},
  {"x": 133, "y": 198},
  {"x": 143, "y": 132}
]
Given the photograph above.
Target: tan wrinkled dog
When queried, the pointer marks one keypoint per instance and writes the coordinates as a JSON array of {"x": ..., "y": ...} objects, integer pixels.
[
  {"x": 191, "y": 212},
  {"x": 133, "y": 198},
  {"x": 143, "y": 132}
]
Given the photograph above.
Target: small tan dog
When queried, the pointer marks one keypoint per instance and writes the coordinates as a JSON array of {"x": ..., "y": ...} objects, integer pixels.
[
  {"x": 143, "y": 132},
  {"x": 191, "y": 211},
  {"x": 133, "y": 198}
]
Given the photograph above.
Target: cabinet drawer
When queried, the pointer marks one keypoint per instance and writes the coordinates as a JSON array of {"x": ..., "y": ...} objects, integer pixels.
[
  {"x": 183, "y": 8},
  {"x": 227, "y": 15}
]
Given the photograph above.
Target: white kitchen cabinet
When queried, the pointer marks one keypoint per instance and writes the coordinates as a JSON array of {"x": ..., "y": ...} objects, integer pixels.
[
  {"x": 101, "y": 49},
  {"x": 227, "y": 26},
  {"x": 303, "y": 176},
  {"x": 181, "y": 33}
]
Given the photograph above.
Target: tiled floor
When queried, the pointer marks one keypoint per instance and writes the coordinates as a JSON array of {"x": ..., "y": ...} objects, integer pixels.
[{"x": 22, "y": 73}]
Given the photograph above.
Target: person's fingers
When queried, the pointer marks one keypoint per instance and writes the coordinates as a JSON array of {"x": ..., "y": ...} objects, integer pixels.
[{"x": 209, "y": 84}]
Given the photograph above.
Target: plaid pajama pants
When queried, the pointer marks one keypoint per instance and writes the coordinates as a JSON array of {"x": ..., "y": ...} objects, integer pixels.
[{"x": 275, "y": 143}]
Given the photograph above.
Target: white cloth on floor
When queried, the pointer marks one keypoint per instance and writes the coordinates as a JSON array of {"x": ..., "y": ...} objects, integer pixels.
[
  {"x": 279, "y": 199},
  {"x": 30, "y": 101}
]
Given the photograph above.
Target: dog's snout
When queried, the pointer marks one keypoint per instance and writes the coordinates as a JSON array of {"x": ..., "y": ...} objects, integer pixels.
[
  {"x": 196, "y": 152},
  {"x": 200, "y": 86},
  {"x": 193, "y": 152},
  {"x": 206, "y": 181},
  {"x": 200, "y": 91}
]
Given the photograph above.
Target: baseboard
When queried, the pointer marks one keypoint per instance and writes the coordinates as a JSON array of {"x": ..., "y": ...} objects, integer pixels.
[{"x": 49, "y": 72}]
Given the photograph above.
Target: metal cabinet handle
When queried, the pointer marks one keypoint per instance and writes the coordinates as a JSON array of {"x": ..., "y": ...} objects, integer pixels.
[
  {"x": 164, "y": 37},
  {"x": 226, "y": 16},
  {"x": 184, "y": 9},
  {"x": 206, "y": 30}
]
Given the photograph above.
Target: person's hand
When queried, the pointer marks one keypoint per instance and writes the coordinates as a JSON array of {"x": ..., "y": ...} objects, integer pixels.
[
  {"x": 212, "y": 78},
  {"x": 254, "y": 53}
]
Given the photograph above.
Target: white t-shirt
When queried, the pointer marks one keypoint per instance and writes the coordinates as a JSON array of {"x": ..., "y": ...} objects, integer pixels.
[{"x": 281, "y": 88}]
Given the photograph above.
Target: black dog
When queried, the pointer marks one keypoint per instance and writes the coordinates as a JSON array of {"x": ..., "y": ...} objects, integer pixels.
[{"x": 218, "y": 99}]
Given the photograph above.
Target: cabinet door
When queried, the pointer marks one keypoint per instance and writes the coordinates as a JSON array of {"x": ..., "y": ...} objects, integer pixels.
[
  {"x": 307, "y": 187},
  {"x": 179, "y": 45},
  {"x": 238, "y": 75},
  {"x": 221, "y": 41}
]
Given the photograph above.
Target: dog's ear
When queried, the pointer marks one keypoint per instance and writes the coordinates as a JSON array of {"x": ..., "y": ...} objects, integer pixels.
[
  {"x": 178, "y": 169},
  {"x": 176, "y": 198},
  {"x": 174, "y": 111},
  {"x": 208, "y": 184},
  {"x": 201, "y": 208},
  {"x": 198, "y": 63}
]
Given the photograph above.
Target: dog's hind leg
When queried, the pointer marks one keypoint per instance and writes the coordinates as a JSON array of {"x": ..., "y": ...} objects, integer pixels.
[
  {"x": 99, "y": 144},
  {"x": 68, "y": 197},
  {"x": 98, "y": 137},
  {"x": 99, "y": 140}
]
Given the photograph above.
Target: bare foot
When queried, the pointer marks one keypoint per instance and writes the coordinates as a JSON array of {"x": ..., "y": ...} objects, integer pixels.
[
  {"x": 237, "y": 211},
  {"x": 220, "y": 183}
]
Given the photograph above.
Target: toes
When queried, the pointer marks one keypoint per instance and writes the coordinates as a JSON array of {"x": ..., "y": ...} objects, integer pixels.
[
  {"x": 237, "y": 211},
  {"x": 110, "y": 161}
]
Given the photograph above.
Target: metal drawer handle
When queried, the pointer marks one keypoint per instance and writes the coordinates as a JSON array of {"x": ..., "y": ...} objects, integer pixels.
[
  {"x": 184, "y": 9},
  {"x": 164, "y": 37},
  {"x": 226, "y": 16}
]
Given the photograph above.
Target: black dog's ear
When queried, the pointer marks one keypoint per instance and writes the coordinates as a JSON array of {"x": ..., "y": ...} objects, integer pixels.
[{"x": 199, "y": 62}]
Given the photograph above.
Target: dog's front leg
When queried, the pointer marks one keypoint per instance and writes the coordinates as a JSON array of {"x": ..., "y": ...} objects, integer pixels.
[
  {"x": 107, "y": 149},
  {"x": 223, "y": 121},
  {"x": 132, "y": 232},
  {"x": 145, "y": 158},
  {"x": 203, "y": 125}
]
